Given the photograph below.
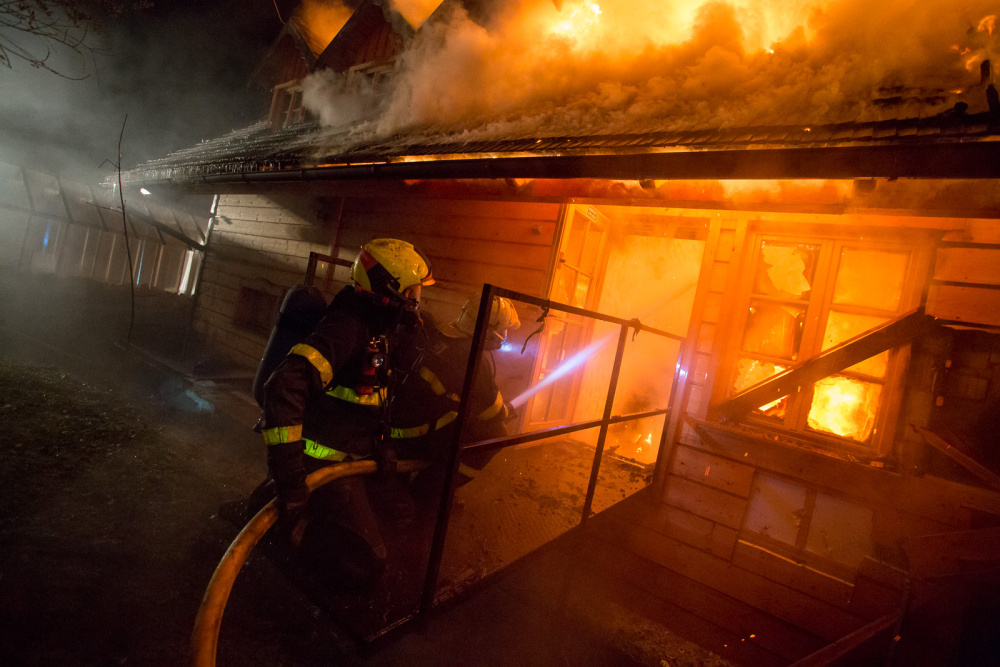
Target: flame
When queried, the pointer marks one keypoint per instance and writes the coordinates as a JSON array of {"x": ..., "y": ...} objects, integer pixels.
[
  {"x": 415, "y": 11},
  {"x": 321, "y": 20},
  {"x": 987, "y": 24},
  {"x": 845, "y": 407},
  {"x": 578, "y": 26},
  {"x": 530, "y": 69}
]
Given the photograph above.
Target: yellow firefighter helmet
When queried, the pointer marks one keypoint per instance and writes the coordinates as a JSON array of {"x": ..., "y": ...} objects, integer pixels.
[
  {"x": 503, "y": 316},
  {"x": 390, "y": 267}
]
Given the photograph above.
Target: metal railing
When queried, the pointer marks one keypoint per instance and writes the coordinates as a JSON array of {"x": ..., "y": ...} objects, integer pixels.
[{"x": 457, "y": 448}]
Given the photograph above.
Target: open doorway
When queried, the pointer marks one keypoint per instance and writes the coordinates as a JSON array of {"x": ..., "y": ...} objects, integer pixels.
[{"x": 629, "y": 262}]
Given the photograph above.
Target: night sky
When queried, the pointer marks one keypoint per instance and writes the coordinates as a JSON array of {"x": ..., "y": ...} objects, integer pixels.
[{"x": 178, "y": 69}]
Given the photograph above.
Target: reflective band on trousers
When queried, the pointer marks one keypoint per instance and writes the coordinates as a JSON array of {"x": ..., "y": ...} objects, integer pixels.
[
  {"x": 423, "y": 429},
  {"x": 322, "y": 452},
  {"x": 347, "y": 394},
  {"x": 318, "y": 361},
  {"x": 282, "y": 434}
]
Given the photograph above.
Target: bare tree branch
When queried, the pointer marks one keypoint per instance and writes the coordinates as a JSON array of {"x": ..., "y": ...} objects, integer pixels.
[{"x": 32, "y": 31}]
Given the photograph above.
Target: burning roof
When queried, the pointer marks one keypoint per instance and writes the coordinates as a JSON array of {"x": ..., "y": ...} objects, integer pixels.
[{"x": 619, "y": 79}]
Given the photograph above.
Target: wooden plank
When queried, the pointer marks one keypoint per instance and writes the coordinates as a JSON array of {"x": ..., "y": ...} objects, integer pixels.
[
  {"x": 962, "y": 552},
  {"x": 418, "y": 208},
  {"x": 845, "y": 645},
  {"x": 724, "y": 474},
  {"x": 692, "y": 529},
  {"x": 968, "y": 265},
  {"x": 512, "y": 230},
  {"x": 795, "y": 575},
  {"x": 804, "y": 611},
  {"x": 973, "y": 305},
  {"x": 705, "y": 501},
  {"x": 927, "y": 497},
  {"x": 717, "y": 280},
  {"x": 744, "y": 625},
  {"x": 528, "y": 281},
  {"x": 713, "y": 308},
  {"x": 494, "y": 253},
  {"x": 976, "y": 230},
  {"x": 958, "y": 456}
]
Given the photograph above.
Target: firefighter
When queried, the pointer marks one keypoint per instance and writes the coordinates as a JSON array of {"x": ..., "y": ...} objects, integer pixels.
[
  {"x": 426, "y": 403},
  {"x": 325, "y": 403}
]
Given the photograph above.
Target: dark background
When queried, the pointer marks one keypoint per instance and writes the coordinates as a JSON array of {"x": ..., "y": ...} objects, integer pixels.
[{"x": 179, "y": 69}]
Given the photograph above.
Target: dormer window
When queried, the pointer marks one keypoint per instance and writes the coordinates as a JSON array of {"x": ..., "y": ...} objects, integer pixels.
[
  {"x": 372, "y": 77},
  {"x": 286, "y": 106}
]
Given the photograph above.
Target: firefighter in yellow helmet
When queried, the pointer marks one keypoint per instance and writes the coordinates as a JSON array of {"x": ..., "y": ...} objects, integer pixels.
[
  {"x": 427, "y": 404},
  {"x": 325, "y": 403}
]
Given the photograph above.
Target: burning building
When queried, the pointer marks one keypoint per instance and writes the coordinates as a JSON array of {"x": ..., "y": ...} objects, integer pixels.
[{"x": 806, "y": 205}]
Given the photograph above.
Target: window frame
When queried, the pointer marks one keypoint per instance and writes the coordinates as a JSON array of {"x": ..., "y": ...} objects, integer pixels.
[{"x": 832, "y": 240}]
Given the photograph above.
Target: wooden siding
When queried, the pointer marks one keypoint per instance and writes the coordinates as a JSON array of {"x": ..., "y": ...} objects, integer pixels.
[
  {"x": 257, "y": 242},
  {"x": 469, "y": 243},
  {"x": 966, "y": 284},
  {"x": 689, "y": 534}
]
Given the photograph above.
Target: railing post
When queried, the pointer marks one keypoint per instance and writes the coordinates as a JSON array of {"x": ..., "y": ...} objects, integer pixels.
[
  {"x": 608, "y": 406},
  {"x": 448, "y": 491}
]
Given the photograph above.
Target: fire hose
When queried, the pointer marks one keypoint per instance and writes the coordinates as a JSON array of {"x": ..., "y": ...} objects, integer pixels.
[{"x": 205, "y": 636}]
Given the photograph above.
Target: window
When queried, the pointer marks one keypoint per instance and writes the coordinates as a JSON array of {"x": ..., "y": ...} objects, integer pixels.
[
  {"x": 286, "y": 106},
  {"x": 371, "y": 77},
  {"x": 803, "y": 296},
  {"x": 827, "y": 532},
  {"x": 256, "y": 311}
]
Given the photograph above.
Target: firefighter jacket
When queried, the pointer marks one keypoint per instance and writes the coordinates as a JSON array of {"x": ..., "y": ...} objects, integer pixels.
[
  {"x": 427, "y": 402},
  {"x": 323, "y": 402}
]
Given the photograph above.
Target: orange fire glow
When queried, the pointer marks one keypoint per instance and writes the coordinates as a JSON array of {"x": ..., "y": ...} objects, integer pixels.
[
  {"x": 844, "y": 407},
  {"x": 321, "y": 20}
]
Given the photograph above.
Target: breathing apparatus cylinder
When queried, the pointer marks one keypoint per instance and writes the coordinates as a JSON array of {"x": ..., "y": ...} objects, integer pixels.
[{"x": 300, "y": 312}]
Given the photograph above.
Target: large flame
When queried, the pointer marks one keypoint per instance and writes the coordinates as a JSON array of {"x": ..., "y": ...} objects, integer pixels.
[
  {"x": 844, "y": 407},
  {"x": 321, "y": 20},
  {"x": 639, "y": 65}
]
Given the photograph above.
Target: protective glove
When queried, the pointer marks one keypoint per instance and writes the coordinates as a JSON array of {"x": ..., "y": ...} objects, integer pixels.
[{"x": 292, "y": 518}]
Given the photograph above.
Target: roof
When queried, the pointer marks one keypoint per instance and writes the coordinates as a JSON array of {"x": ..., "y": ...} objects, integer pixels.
[{"x": 951, "y": 145}]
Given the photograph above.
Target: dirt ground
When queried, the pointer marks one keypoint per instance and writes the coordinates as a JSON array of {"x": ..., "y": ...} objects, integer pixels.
[{"x": 113, "y": 470}]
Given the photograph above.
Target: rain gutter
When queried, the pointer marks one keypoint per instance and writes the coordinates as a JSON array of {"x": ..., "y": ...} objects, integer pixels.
[{"x": 954, "y": 160}]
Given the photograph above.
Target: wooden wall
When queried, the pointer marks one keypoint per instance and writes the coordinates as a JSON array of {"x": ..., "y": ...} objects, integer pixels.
[
  {"x": 258, "y": 242},
  {"x": 966, "y": 284},
  {"x": 264, "y": 243},
  {"x": 684, "y": 551},
  {"x": 469, "y": 243}
]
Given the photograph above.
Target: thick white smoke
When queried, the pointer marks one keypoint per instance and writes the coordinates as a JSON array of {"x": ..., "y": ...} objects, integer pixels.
[{"x": 639, "y": 66}]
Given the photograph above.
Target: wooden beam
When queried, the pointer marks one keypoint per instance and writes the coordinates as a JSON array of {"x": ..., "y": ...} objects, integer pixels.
[
  {"x": 892, "y": 334},
  {"x": 967, "y": 552},
  {"x": 959, "y": 457}
]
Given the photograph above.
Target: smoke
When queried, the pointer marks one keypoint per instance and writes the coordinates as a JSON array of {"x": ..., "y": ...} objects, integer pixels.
[
  {"x": 638, "y": 66},
  {"x": 178, "y": 70}
]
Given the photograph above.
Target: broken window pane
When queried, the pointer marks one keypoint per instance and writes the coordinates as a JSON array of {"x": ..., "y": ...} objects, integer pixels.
[
  {"x": 845, "y": 407},
  {"x": 840, "y": 530},
  {"x": 776, "y": 509},
  {"x": 785, "y": 270},
  {"x": 872, "y": 278},
  {"x": 754, "y": 371},
  {"x": 773, "y": 329},
  {"x": 844, "y": 326}
]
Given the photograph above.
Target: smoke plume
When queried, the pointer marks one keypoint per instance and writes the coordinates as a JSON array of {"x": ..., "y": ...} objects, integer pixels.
[{"x": 636, "y": 66}]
